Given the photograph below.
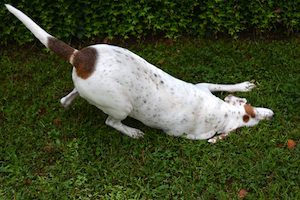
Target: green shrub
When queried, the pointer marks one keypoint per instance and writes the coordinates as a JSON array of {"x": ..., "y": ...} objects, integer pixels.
[{"x": 85, "y": 19}]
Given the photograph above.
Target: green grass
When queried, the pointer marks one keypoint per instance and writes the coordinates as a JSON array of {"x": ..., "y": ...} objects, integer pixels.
[{"x": 72, "y": 154}]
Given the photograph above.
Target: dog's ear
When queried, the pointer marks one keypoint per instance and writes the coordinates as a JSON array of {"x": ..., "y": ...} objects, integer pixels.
[{"x": 236, "y": 101}]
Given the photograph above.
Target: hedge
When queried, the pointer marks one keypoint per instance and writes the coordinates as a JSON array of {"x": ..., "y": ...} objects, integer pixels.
[{"x": 91, "y": 19}]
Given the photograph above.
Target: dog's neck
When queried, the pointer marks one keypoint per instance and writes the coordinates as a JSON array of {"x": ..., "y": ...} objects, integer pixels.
[{"x": 233, "y": 118}]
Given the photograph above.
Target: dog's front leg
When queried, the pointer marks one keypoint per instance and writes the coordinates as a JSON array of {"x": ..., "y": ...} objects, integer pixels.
[
  {"x": 67, "y": 100},
  {"x": 240, "y": 87},
  {"x": 117, "y": 124}
]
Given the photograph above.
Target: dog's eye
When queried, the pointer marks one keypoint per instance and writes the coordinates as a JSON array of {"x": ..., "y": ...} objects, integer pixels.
[{"x": 246, "y": 118}]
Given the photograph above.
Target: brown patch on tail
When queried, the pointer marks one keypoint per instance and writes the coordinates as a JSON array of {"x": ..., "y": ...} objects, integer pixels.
[
  {"x": 84, "y": 61},
  {"x": 249, "y": 110},
  {"x": 60, "y": 48}
]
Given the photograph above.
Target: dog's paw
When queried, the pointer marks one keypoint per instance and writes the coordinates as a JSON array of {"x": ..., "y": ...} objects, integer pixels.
[
  {"x": 65, "y": 103},
  {"x": 212, "y": 140},
  {"x": 247, "y": 86},
  {"x": 137, "y": 134}
]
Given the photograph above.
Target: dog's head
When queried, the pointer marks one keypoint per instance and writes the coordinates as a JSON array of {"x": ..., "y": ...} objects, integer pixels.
[{"x": 249, "y": 115}]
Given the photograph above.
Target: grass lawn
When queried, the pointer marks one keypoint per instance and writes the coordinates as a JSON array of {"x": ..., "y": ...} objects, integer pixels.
[{"x": 47, "y": 152}]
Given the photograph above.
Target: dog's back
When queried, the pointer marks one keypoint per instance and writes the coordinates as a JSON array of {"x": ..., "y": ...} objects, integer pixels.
[{"x": 124, "y": 81}]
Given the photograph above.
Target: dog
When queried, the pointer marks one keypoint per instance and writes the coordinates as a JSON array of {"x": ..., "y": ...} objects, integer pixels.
[{"x": 122, "y": 84}]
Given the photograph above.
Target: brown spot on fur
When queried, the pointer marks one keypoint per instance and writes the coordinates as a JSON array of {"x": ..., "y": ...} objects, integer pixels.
[
  {"x": 249, "y": 110},
  {"x": 222, "y": 137},
  {"x": 60, "y": 48},
  {"x": 84, "y": 61},
  {"x": 246, "y": 118}
]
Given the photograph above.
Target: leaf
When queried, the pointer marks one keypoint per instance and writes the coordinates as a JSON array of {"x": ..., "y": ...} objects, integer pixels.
[
  {"x": 169, "y": 41},
  {"x": 49, "y": 148},
  {"x": 235, "y": 6},
  {"x": 158, "y": 43},
  {"x": 277, "y": 11},
  {"x": 242, "y": 193},
  {"x": 160, "y": 62},
  {"x": 58, "y": 123},
  {"x": 43, "y": 111},
  {"x": 291, "y": 144},
  {"x": 107, "y": 41},
  {"x": 279, "y": 20},
  {"x": 28, "y": 182},
  {"x": 280, "y": 144}
]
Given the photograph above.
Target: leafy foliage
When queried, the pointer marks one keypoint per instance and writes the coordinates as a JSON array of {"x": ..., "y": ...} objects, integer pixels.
[{"x": 84, "y": 19}]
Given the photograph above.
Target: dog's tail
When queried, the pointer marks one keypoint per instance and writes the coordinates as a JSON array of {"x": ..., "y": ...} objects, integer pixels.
[
  {"x": 58, "y": 47},
  {"x": 84, "y": 61}
]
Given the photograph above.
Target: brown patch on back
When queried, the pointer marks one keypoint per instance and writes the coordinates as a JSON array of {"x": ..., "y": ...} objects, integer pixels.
[
  {"x": 84, "y": 61},
  {"x": 60, "y": 48},
  {"x": 249, "y": 110}
]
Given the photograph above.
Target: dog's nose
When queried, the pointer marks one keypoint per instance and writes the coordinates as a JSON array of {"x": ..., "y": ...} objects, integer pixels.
[{"x": 271, "y": 116}]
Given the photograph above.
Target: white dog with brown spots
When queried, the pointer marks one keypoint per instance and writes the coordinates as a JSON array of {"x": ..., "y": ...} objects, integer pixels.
[{"x": 121, "y": 84}]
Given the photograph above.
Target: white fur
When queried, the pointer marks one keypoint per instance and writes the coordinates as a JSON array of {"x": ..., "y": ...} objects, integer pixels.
[
  {"x": 126, "y": 85},
  {"x": 38, "y": 32},
  {"x": 123, "y": 84}
]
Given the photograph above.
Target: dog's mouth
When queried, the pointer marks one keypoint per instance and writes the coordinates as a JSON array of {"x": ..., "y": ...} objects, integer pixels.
[
  {"x": 271, "y": 117},
  {"x": 265, "y": 113}
]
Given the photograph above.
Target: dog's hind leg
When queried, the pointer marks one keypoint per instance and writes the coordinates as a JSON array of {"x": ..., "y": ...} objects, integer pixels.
[
  {"x": 240, "y": 87},
  {"x": 67, "y": 100},
  {"x": 117, "y": 124}
]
